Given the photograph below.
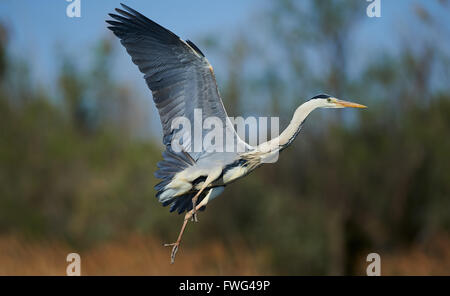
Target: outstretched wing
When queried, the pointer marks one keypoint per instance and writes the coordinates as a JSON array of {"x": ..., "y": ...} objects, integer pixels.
[{"x": 178, "y": 74}]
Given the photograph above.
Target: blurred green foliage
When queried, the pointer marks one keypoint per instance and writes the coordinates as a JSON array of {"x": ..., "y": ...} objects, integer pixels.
[{"x": 379, "y": 180}]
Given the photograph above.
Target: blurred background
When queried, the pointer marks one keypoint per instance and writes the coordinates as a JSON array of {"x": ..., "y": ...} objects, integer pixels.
[{"x": 80, "y": 139}]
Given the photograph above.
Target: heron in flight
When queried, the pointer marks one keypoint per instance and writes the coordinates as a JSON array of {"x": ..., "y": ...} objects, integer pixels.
[{"x": 181, "y": 80}]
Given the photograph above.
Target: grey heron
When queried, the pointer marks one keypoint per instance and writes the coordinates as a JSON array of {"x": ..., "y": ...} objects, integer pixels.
[{"x": 181, "y": 80}]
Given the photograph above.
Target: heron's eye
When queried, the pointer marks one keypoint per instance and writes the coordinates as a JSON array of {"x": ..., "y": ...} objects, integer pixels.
[{"x": 329, "y": 100}]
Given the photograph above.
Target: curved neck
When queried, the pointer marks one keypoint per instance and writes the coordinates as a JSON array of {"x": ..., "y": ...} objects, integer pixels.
[{"x": 292, "y": 130}]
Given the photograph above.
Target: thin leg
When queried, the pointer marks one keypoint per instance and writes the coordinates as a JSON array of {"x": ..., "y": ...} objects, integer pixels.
[
  {"x": 188, "y": 215},
  {"x": 194, "y": 205},
  {"x": 211, "y": 177},
  {"x": 176, "y": 244},
  {"x": 192, "y": 212}
]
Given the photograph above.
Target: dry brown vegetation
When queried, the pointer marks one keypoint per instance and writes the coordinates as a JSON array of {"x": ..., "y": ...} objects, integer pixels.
[
  {"x": 135, "y": 255},
  {"x": 425, "y": 258},
  {"x": 139, "y": 255},
  {"x": 429, "y": 259}
]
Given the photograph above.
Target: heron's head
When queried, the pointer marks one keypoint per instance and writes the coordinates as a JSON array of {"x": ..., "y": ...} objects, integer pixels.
[{"x": 327, "y": 101}]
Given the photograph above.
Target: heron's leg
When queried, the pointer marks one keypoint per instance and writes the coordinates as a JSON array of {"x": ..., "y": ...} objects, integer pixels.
[
  {"x": 176, "y": 244},
  {"x": 188, "y": 215},
  {"x": 204, "y": 202},
  {"x": 209, "y": 180},
  {"x": 194, "y": 205}
]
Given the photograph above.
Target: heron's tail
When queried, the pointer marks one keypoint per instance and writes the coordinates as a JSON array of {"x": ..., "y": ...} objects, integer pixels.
[
  {"x": 184, "y": 202},
  {"x": 172, "y": 164}
]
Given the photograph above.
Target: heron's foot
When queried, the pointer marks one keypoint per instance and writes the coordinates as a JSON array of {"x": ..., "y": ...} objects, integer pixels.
[
  {"x": 194, "y": 211},
  {"x": 174, "y": 251},
  {"x": 194, "y": 217},
  {"x": 191, "y": 215}
]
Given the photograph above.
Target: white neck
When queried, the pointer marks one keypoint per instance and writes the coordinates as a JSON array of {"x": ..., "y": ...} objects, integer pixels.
[{"x": 288, "y": 135}]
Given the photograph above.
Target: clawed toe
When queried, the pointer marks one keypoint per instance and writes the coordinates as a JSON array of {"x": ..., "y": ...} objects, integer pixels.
[
  {"x": 194, "y": 217},
  {"x": 174, "y": 251}
]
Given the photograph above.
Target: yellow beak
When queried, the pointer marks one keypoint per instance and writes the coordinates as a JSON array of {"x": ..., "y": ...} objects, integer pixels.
[{"x": 344, "y": 104}]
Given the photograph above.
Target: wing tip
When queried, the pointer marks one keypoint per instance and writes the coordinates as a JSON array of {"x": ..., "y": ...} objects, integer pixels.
[
  {"x": 125, "y": 6},
  {"x": 195, "y": 47},
  {"x": 120, "y": 11}
]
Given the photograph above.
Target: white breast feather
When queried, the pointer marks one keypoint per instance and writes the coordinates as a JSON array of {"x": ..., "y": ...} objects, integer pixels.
[{"x": 234, "y": 173}]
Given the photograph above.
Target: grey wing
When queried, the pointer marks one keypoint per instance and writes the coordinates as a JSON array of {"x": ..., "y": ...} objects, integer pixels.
[{"x": 179, "y": 76}]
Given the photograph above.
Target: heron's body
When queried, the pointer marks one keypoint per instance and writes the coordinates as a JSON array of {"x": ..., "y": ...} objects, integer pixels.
[{"x": 182, "y": 82}]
